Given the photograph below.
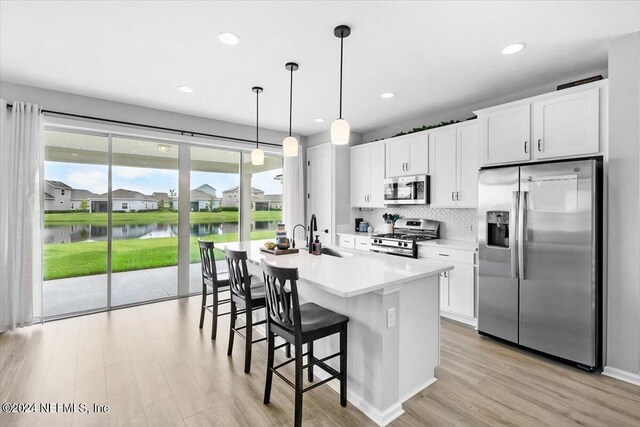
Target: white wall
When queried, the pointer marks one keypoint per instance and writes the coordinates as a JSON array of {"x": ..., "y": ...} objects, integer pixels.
[
  {"x": 623, "y": 329},
  {"x": 466, "y": 111},
  {"x": 94, "y": 107}
]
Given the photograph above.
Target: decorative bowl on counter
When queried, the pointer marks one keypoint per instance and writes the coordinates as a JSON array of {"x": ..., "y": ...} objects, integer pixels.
[
  {"x": 282, "y": 243},
  {"x": 270, "y": 245}
]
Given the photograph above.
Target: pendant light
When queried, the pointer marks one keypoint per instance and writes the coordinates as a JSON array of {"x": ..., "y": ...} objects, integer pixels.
[
  {"x": 340, "y": 128},
  {"x": 290, "y": 143},
  {"x": 257, "y": 155}
]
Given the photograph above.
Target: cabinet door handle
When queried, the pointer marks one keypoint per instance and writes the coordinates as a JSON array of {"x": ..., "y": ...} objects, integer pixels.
[
  {"x": 539, "y": 142},
  {"x": 443, "y": 254},
  {"x": 452, "y": 196},
  {"x": 458, "y": 196},
  {"x": 408, "y": 168},
  {"x": 525, "y": 146}
]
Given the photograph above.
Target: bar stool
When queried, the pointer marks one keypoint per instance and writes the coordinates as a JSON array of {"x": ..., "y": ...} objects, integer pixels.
[
  {"x": 300, "y": 324},
  {"x": 245, "y": 298},
  {"x": 210, "y": 280}
]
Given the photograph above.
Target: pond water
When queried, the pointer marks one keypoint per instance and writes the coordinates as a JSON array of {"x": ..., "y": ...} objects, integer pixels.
[{"x": 85, "y": 232}]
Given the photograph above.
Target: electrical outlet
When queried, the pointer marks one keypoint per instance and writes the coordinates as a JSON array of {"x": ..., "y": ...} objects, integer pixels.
[{"x": 391, "y": 317}]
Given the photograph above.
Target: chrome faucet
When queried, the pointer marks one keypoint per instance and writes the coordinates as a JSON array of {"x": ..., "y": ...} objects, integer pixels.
[
  {"x": 293, "y": 234},
  {"x": 313, "y": 226}
]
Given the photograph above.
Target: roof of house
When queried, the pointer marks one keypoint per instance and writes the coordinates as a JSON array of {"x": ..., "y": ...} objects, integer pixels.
[
  {"x": 207, "y": 189},
  {"x": 82, "y": 194},
  {"x": 196, "y": 195},
  {"x": 121, "y": 193},
  {"x": 48, "y": 196},
  {"x": 161, "y": 197},
  {"x": 235, "y": 189},
  {"x": 57, "y": 184}
]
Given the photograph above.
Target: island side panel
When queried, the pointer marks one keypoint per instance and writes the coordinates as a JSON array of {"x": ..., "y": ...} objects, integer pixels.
[
  {"x": 419, "y": 327},
  {"x": 372, "y": 377}
]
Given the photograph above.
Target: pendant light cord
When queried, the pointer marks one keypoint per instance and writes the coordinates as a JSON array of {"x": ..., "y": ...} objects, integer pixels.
[
  {"x": 257, "y": 110},
  {"x": 290, "y": 100},
  {"x": 341, "y": 55}
]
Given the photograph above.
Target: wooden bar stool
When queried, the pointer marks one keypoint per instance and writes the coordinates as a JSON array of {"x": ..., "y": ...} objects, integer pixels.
[
  {"x": 300, "y": 324},
  {"x": 245, "y": 298},
  {"x": 211, "y": 281}
]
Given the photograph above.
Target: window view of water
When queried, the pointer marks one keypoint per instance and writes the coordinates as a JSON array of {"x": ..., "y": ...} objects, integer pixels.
[{"x": 75, "y": 233}]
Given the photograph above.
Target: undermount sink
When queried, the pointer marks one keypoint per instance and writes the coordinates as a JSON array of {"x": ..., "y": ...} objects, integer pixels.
[{"x": 339, "y": 254}]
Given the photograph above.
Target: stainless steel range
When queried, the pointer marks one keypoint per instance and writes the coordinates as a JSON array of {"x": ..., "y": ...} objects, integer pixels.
[{"x": 406, "y": 234}]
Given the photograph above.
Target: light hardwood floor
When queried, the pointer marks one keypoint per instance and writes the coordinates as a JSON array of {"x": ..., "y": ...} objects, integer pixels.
[{"x": 153, "y": 366}]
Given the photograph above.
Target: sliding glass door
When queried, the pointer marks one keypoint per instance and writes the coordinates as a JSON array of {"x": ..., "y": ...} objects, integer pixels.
[
  {"x": 75, "y": 225},
  {"x": 120, "y": 211},
  {"x": 144, "y": 221}
]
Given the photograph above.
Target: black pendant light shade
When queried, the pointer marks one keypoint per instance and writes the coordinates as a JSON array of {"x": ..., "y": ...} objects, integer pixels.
[{"x": 340, "y": 128}]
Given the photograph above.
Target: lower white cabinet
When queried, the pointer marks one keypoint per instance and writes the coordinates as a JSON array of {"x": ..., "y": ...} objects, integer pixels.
[
  {"x": 457, "y": 286},
  {"x": 362, "y": 243},
  {"x": 347, "y": 241}
]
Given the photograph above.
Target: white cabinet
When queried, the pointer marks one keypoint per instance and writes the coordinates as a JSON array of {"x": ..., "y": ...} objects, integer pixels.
[
  {"x": 457, "y": 286},
  {"x": 352, "y": 241},
  {"x": 407, "y": 155},
  {"x": 567, "y": 125},
  {"x": 347, "y": 241},
  {"x": 505, "y": 135},
  {"x": 457, "y": 290},
  {"x": 367, "y": 175},
  {"x": 454, "y": 167}
]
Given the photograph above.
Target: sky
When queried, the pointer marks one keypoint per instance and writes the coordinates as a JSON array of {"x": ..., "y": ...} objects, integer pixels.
[{"x": 146, "y": 180}]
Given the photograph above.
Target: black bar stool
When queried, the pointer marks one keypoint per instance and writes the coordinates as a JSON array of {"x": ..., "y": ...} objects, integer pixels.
[
  {"x": 300, "y": 324},
  {"x": 210, "y": 280},
  {"x": 245, "y": 298}
]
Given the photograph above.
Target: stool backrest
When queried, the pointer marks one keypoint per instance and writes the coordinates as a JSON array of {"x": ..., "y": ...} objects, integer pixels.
[
  {"x": 208, "y": 260},
  {"x": 283, "y": 307},
  {"x": 239, "y": 277}
]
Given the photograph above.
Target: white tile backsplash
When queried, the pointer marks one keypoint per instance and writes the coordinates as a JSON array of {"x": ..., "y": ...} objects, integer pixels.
[{"x": 456, "y": 224}]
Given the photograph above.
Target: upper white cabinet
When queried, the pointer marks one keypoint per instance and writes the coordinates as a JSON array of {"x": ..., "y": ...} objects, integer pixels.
[
  {"x": 407, "y": 155},
  {"x": 505, "y": 135},
  {"x": 367, "y": 175},
  {"x": 566, "y": 123},
  {"x": 454, "y": 166}
]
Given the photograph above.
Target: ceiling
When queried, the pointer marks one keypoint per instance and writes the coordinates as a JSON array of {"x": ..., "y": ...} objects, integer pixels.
[{"x": 436, "y": 56}]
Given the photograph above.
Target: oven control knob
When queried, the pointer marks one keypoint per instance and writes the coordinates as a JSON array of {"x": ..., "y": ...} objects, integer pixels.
[
  {"x": 405, "y": 245},
  {"x": 399, "y": 243}
]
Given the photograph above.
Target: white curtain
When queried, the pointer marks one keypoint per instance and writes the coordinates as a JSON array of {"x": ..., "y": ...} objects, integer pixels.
[
  {"x": 293, "y": 193},
  {"x": 21, "y": 196}
]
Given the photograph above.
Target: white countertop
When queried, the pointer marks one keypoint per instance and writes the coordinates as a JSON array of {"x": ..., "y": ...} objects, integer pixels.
[
  {"x": 356, "y": 233},
  {"x": 466, "y": 245},
  {"x": 349, "y": 276}
]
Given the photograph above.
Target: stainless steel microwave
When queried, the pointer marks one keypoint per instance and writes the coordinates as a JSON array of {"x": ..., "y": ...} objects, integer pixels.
[{"x": 407, "y": 190}]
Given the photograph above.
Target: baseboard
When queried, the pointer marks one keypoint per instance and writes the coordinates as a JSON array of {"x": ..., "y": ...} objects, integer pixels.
[
  {"x": 461, "y": 319},
  {"x": 619, "y": 374},
  {"x": 381, "y": 418},
  {"x": 418, "y": 390}
]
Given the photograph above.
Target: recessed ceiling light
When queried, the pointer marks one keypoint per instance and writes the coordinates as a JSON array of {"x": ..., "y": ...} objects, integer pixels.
[
  {"x": 185, "y": 89},
  {"x": 319, "y": 120},
  {"x": 387, "y": 95},
  {"x": 228, "y": 38},
  {"x": 513, "y": 48}
]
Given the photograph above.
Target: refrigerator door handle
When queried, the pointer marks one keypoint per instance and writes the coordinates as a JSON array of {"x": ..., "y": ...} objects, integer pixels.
[
  {"x": 521, "y": 228},
  {"x": 513, "y": 242}
]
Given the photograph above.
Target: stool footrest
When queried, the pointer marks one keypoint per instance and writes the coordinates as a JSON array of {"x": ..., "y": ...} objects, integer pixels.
[
  {"x": 326, "y": 380},
  {"x": 288, "y": 361}
]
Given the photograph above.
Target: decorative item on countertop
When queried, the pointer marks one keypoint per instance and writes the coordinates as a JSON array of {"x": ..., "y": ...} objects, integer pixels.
[
  {"x": 317, "y": 246},
  {"x": 363, "y": 227},
  {"x": 370, "y": 229},
  {"x": 282, "y": 242},
  {"x": 358, "y": 221},
  {"x": 389, "y": 221},
  {"x": 270, "y": 245}
]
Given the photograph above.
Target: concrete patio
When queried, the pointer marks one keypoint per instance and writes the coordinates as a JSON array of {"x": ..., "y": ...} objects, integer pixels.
[{"x": 75, "y": 294}]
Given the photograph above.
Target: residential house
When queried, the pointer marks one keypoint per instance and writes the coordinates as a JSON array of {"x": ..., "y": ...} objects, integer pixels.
[
  {"x": 59, "y": 196},
  {"x": 259, "y": 201},
  {"x": 124, "y": 200}
]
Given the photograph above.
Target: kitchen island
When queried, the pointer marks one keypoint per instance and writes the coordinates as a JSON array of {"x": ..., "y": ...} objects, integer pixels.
[{"x": 393, "y": 306}]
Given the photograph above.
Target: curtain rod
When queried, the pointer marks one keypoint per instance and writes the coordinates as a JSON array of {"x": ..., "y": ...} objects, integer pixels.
[{"x": 180, "y": 131}]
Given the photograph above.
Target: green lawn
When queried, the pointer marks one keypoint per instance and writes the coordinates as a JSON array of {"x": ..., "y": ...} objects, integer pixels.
[
  {"x": 164, "y": 217},
  {"x": 87, "y": 258}
]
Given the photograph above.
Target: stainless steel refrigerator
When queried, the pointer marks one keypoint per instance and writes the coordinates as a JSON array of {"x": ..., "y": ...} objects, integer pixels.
[{"x": 539, "y": 258}]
